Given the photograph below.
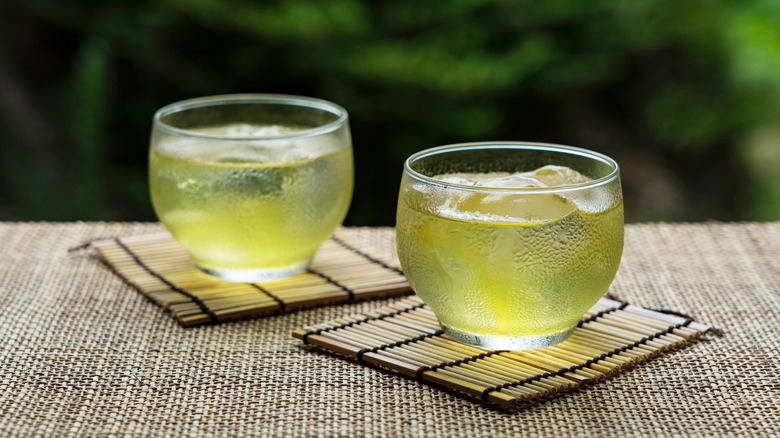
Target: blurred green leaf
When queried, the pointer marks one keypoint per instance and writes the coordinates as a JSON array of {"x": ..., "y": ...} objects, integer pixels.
[
  {"x": 88, "y": 113},
  {"x": 674, "y": 90}
]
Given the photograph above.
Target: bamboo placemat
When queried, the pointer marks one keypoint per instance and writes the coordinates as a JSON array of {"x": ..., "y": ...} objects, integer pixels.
[
  {"x": 156, "y": 265},
  {"x": 405, "y": 337}
]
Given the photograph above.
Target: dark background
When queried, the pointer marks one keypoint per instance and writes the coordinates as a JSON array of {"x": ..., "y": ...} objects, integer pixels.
[{"x": 684, "y": 95}]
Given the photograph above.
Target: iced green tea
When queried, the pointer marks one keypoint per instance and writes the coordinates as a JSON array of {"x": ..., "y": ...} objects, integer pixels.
[
  {"x": 251, "y": 201},
  {"x": 509, "y": 258}
]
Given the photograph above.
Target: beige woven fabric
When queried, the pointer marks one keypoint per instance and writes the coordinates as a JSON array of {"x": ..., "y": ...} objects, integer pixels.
[{"x": 83, "y": 354}]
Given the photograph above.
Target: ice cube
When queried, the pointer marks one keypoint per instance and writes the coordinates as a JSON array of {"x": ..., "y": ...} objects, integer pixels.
[
  {"x": 455, "y": 179},
  {"x": 247, "y": 130},
  {"x": 269, "y": 150},
  {"x": 555, "y": 176},
  {"x": 241, "y": 155},
  {"x": 511, "y": 208},
  {"x": 518, "y": 208},
  {"x": 593, "y": 200},
  {"x": 514, "y": 181},
  {"x": 547, "y": 176}
]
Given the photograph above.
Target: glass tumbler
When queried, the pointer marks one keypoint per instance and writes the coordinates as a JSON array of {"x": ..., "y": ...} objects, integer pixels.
[
  {"x": 251, "y": 184},
  {"x": 510, "y": 243}
]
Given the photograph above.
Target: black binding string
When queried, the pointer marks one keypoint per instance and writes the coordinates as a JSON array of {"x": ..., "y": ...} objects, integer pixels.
[
  {"x": 282, "y": 306},
  {"x": 396, "y": 344},
  {"x": 80, "y": 247},
  {"x": 366, "y": 256},
  {"x": 590, "y": 362},
  {"x": 595, "y": 316},
  {"x": 452, "y": 363},
  {"x": 349, "y": 291},
  {"x": 212, "y": 316},
  {"x": 89, "y": 243},
  {"x": 306, "y": 335},
  {"x": 669, "y": 312}
]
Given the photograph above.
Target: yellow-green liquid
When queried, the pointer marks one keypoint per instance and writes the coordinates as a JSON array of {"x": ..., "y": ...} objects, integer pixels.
[
  {"x": 510, "y": 280},
  {"x": 233, "y": 215}
]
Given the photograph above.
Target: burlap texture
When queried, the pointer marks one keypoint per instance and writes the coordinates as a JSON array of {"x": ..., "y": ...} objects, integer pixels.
[{"x": 83, "y": 354}]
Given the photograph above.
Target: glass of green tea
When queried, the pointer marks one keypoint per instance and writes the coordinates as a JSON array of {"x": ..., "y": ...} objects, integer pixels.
[
  {"x": 251, "y": 184},
  {"x": 510, "y": 243}
]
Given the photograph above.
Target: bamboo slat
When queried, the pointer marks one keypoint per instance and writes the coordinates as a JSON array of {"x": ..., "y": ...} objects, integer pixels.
[
  {"x": 404, "y": 337},
  {"x": 156, "y": 265}
]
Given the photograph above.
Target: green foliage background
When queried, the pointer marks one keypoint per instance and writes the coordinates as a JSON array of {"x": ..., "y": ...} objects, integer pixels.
[{"x": 685, "y": 95}]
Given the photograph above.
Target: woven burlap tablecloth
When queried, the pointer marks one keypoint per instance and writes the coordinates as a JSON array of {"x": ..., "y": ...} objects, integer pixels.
[{"x": 84, "y": 354}]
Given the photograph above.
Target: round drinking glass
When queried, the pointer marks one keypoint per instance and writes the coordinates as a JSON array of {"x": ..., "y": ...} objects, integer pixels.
[
  {"x": 510, "y": 243},
  {"x": 251, "y": 184}
]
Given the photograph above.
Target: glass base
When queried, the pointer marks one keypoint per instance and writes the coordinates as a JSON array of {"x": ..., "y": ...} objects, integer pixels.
[
  {"x": 255, "y": 275},
  {"x": 509, "y": 344}
]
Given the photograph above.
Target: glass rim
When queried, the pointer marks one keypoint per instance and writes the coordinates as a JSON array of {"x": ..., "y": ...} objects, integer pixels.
[
  {"x": 522, "y": 145},
  {"x": 251, "y": 98}
]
